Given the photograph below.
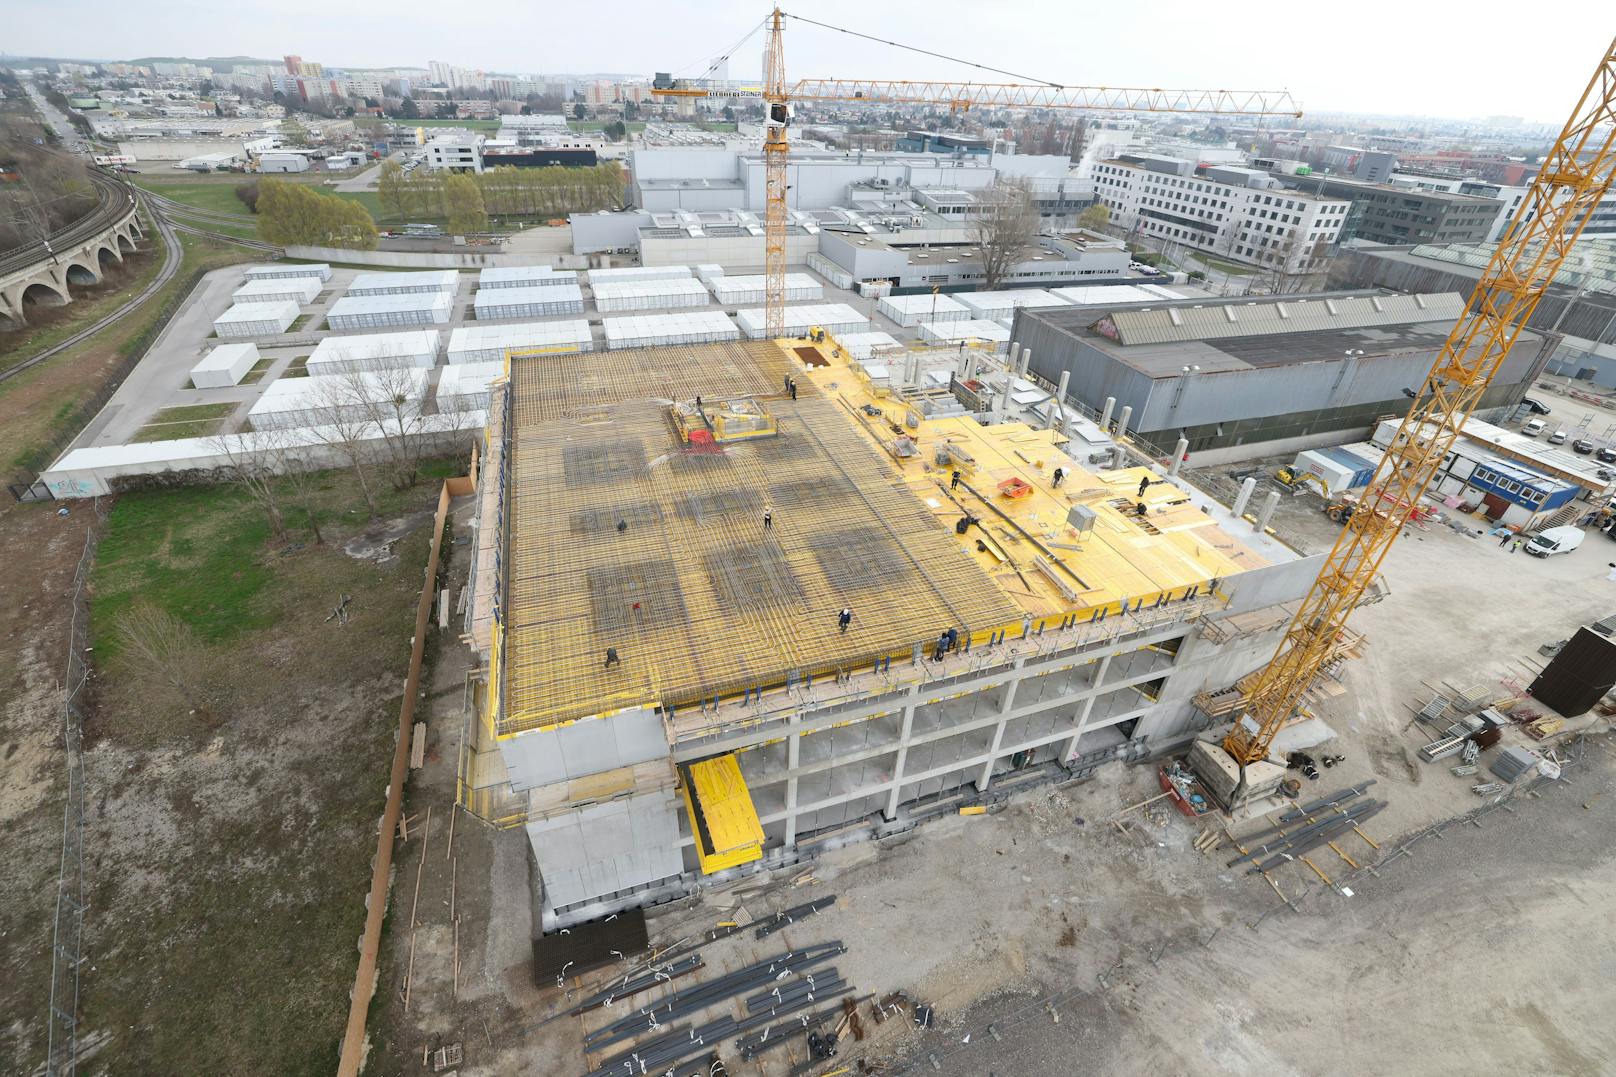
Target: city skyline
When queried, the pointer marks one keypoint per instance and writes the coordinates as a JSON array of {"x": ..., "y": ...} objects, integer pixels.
[{"x": 1321, "y": 60}]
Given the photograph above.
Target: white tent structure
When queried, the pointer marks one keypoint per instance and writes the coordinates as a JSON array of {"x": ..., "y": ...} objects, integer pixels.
[
  {"x": 489, "y": 343},
  {"x": 834, "y": 318},
  {"x": 224, "y": 366},
  {"x": 656, "y": 330},
  {"x": 245, "y": 321},
  {"x": 311, "y": 401},
  {"x": 354, "y": 312},
  {"x": 375, "y": 351}
]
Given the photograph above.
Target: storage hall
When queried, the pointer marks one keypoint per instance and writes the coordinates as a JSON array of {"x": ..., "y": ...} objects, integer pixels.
[
  {"x": 834, "y": 318},
  {"x": 911, "y": 310},
  {"x": 489, "y": 343},
  {"x": 655, "y": 330},
  {"x": 538, "y": 301},
  {"x": 733, "y": 290},
  {"x": 298, "y": 290},
  {"x": 651, "y": 295},
  {"x": 314, "y": 401},
  {"x": 432, "y": 280},
  {"x": 247, "y": 320},
  {"x": 224, "y": 366},
  {"x": 465, "y": 387},
  {"x": 385, "y": 311},
  {"x": 524, "y": 276},
  {"x": 987, "y": 306},
  {"x": 622, "y": 274},
  {"x": 973, "y": 329},
  {"x": 317, "y": 270},
  {"x": 375, "y": 351}
]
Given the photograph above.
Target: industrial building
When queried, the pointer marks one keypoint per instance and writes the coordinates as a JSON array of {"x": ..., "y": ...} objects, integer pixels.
[
  {"x": 489, "y": 343},
  {"x": 427, "y": 280},
  {"x": 1580, "y": 305},
  {"x": 918, "y": 251},
  {"x": 318, "y": 270},
  {"x": 390, "y": 395},
  {"x": 686, "y": 703},
  {"x": 224, "y": 366},
  {"x": 298, "y": 290},
  {"x": 539, "y": 301},
  {"x": 1249, "y": 376}
]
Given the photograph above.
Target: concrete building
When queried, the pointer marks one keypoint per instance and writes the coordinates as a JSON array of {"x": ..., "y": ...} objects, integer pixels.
[
  {"x": 1382, "y": 213},
  {"x": 684, "y": 705},
  {"x": 1244, "y": 377},
  {"x": 1241, "y": 214}
]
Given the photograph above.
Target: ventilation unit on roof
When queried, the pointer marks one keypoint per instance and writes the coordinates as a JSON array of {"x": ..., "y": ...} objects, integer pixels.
[{"x": 1228, "y": 312}]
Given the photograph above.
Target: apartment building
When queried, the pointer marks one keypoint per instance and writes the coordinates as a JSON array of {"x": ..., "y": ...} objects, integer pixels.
[{"x": 1242, "y": 214}]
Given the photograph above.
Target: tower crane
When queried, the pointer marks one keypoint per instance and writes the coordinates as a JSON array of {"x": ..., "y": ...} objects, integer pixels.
[
  {"x": 1574, "y": 177},
  {"x": 777, "y": 96}
]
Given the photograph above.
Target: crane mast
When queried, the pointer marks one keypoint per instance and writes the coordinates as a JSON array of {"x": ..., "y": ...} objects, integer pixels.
[
  {"x": 777, "y": 96},
  {"x": 1576, "y": 174}
]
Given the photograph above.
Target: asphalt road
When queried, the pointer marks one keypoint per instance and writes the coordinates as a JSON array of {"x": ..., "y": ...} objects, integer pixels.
[{"x": 71, "y": 139}]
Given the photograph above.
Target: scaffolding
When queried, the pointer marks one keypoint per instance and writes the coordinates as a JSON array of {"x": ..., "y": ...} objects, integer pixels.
[{"x": 708, "y": 572}]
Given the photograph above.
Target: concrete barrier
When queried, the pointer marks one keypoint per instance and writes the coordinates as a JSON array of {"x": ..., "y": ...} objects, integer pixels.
[{"x": 471, "y": 258}]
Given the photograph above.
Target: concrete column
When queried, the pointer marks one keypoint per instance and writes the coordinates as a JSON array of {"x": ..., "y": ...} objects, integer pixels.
[
  {"x": 1026, "y": 362},
  {"x": 1060, "y": 389},
  {"x": 998, "y": 730},
  {"x": 962, "y": 365},
  {"x": 1243, "y": 497},
  {"x": 970, "y": 366},
  {"x": 1179, "y": 450},
  {"x": 1057, "y": 408},
  {"x": 1001, "y": 405},
  {"x": 903, "y": 756},
  {"x": 1122, "y": 421},
  {"x": 1270, "y": 503},
  {"x": 1013, "y": 358},
  {"x": 793, "y": 759},
  {"x": 1105, "y": 414},
  {"x": 1088, "y": 707}
]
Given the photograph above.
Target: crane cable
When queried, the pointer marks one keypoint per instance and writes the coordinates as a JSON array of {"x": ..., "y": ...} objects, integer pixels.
[
  {"x": 925, "y": 52},
  {"x": 726, "y": 54}
]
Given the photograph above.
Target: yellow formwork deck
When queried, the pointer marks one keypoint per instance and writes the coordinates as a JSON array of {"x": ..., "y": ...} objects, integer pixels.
[
  {"x": 1125, "y": 558},
  {"x": 724, "y": 821},
  {"x": 698, "y": 598}
]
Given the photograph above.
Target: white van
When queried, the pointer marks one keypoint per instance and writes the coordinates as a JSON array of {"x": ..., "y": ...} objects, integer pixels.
[
  {"x": 1533, "y": 428},
  {"x": 1554, "y": 540}
]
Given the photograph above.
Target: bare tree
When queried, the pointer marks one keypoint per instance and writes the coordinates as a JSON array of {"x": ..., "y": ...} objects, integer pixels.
[
  {"x": 165, "y": 650},
  {"x": 391, "y": 400},
  {"x": 1007, "y": 223},
  {"x": 348, "y": 431},
  {"x": 247, "y": 467}
]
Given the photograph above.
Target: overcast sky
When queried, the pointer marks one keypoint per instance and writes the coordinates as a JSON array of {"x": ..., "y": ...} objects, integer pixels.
[{"x": 1387, "y": 56}]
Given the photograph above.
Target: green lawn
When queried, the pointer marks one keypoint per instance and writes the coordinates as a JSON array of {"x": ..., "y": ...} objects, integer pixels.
[
  {"x": 194, "y": 428},
  {"x": 214, "y": 195},
  {"x": 260, "y": 368}
]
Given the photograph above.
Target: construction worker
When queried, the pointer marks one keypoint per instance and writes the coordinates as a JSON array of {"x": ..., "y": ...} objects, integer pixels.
[
  {"x": 844, "y": 618},
  {"x": 768, "y": 518},
  {"x": 611, "y": 658},
  {"x": 954, "y": 481},
  {"x": 788, "y": 383},
  {"x": 622, "y": 525},
  {"x": 941, "y": 648},
  {"x": 1141, "y": 509},
  {"x": 1144, "y": 484},
  {"x": 1060, "y": 474},
  {"x": 793, "y": 388},
  {"x": 953, "y": 638}
]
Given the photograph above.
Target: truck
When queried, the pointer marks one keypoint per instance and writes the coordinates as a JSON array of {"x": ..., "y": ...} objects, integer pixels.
[{"x": 1554, "y": 540}]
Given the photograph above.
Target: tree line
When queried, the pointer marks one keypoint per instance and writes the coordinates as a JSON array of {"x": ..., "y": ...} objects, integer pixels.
[
  {"x": 469, "y": 198},
  {"x": 295, "y": 214}
]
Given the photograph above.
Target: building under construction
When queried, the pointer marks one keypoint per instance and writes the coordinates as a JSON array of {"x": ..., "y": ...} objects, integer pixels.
[{"x": 741, "y": 599}]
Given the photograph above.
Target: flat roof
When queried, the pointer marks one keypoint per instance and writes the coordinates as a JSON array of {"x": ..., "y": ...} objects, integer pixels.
[
  {"x": 431, "y": 279},
  {"x": 375, "y": 346},
  {"x": 387, "y": 304}
]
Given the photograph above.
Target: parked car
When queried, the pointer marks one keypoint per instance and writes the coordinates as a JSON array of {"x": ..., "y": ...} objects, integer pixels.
[
  {"x": 1607, "y": 455},
  {"x": 1533, "y": 428},
  {"x": 1554, "y": 540},
  {"x": 1582, "y": 446},
  {"x": 1536, "y": 407},
  {"x": 1558, "y": 437}
]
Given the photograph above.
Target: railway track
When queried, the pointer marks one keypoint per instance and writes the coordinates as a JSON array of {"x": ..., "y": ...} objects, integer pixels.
[{"x": 115, "y": 200}]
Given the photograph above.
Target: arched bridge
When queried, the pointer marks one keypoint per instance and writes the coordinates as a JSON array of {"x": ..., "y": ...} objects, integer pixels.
[{"x": 78, "y": 254}]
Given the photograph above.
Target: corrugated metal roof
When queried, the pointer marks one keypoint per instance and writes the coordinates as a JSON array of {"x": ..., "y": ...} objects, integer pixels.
[{"x": 1261, "y": 317}]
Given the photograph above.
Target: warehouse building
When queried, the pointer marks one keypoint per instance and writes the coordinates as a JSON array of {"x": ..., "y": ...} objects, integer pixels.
[
  {"x": 464, "y": 387},
  {"x": 224, "y": 366},
  {"x": 361, "y": 312},
  {"x": 524, "y": 276},
  {"x": 683, "y": 705},
  {"x": 430, "y": 280},
  {"x": 489, "y": 343},
  {"x": 318, "y": 270},
  {"x": 661, "y": 330},
  {"x": 918, "y": 252},
  {"x": 539, "y": 301},
  {"x": 374, "y": 351},
  {"x": 392, "y": 396},
  {"x": 1244, "y": 377},
  {"x": 833, "y": 318},
  {"x": 621, "y": 295},
  {"x": 297, "y": 290},
  {"x": 244, "y": 321}
]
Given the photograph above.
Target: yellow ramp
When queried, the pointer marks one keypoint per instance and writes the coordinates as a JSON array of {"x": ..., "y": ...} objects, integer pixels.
[{"x": 721, "y": 814}]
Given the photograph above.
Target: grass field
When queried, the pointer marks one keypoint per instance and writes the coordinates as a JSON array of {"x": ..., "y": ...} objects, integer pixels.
[
  {"x": 256, "y": 374},
  {"x": 230, "y": 844},
  {"x": 216, "y": 195},
  {"x": 185, "y": 421}
]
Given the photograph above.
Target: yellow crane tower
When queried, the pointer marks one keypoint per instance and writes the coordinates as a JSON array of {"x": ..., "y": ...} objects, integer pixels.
[
  {"x": 1575, "y": 175},
  {"x": 777, "y": 96}
]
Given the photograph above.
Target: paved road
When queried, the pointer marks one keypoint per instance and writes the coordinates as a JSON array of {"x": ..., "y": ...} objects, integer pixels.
[
  {"x": 363, "y": 181},
  {"x": 71, "y": 139}
]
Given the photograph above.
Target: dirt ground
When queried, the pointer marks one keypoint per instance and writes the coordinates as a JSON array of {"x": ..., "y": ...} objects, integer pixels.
[{"x": 1147, "y": 945}]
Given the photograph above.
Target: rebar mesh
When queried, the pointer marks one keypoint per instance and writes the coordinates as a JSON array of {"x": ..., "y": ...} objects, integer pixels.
[{"x": 697, "y": 596}]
